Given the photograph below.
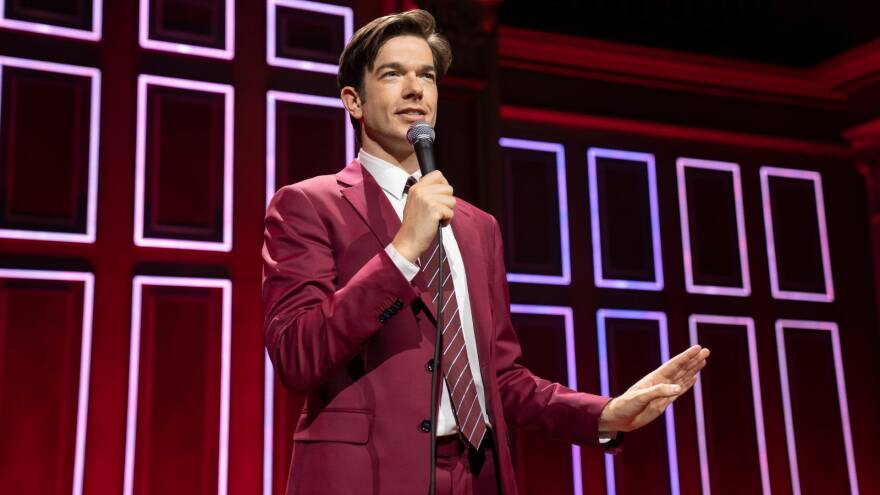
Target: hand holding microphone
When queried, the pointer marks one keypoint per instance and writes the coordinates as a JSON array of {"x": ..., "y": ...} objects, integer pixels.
[{"x": 430, "y": 201}]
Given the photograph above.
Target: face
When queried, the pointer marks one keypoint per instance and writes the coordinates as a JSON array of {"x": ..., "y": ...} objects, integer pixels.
[{"x": 399, "y": 90}]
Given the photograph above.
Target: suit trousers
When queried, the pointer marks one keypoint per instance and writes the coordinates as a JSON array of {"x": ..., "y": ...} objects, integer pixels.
[{"x": 463, "y": 470}]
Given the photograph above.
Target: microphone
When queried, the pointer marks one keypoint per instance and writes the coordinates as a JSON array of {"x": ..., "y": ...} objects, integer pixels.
[{"x": 421, "y": 136}]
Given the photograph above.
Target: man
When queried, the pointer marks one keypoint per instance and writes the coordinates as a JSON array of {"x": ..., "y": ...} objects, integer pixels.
[{"x": 349, "y": 294}]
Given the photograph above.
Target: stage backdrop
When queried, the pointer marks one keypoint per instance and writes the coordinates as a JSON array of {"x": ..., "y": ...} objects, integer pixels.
[{"x": 141, "y": 141}]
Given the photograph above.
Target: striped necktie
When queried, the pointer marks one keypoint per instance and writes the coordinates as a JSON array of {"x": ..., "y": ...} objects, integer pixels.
[{"x": 456, "y": 366}]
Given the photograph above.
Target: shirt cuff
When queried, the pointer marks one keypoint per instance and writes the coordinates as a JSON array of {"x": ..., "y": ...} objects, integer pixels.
[{"x": 407, "y": 268}]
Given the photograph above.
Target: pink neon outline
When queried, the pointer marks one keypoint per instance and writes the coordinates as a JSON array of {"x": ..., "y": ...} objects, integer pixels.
[
  {"x": 52, "y": 30},
  {"x": 842, "y": 402},
  {"x": 324, "y": 8},
  {"x": 134, "y": 367},
  {"x": 272, "y": 97},
  {"x": 789, "y": 173},
  {"x": 226, "y": 53},
  {"x": 742, "y": 245},
  {"x": 758, "y": 407},
  {"x": 571, "y": 371},
  {"x": 145, "y": 80},
  {"x": 94, "y": 136},
  {"x": 559, "y": 151},
  {"x": 82, "y": 410},
  {"x": 669, "y": 415},
  {"x": 595, "y": 228}
]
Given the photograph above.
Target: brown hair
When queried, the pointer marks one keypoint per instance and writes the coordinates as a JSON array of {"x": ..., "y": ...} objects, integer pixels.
[{"x": 362, "y": 49}]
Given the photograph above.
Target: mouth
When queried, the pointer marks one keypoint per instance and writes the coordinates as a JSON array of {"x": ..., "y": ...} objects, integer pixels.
[{"x": 412, "y": 114}]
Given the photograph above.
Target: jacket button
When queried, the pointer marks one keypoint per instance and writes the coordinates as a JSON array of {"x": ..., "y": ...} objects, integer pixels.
[
  {"x": 430, "y": 366},
  {"x": 425, "y": 426}
]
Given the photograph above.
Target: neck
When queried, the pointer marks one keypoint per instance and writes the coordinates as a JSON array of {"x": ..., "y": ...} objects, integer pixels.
[{"x": 404, "y": 158}]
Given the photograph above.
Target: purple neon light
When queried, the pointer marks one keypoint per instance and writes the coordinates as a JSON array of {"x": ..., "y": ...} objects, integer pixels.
[
  {"x": 830, "y": 327},
  {"x": 788, "y": 173},
  {"x": 93, "y": 34},
  {"x": 94, "y": 126},
  {"x": 272, "y": 57},
  {"x": 134, "y": 366},
  {"x": 85, "y": 358},
  {"x": 272, "y": 99},
  {"x": 595, "y": 226},
  {"x": 564, "y": 246},
  {"x": 724, "y": 167},
  {"x": 227, "y": 52},
  {"x": 145, "y": 80},
  {"x": 570, "y": 367},
  {"x": 604, "y": 379},
  {"x": 749, "y": 324}
]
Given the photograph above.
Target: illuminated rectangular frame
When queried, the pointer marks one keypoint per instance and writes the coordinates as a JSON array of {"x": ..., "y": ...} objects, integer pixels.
[
  {"x": 134, "y": 368},
  {"x": 94, "y": 136},
  {"x": 843, "y": 405},
  {"x": 595, "y": 227},
  {"x": 564, "y": 245},
  {"x": 788, "y": 173},
  {"x": 272, "y": 57},
  {"x": 571, "y": 370},
  {"x": 227, "y": 52},
  {"x": 749, "y": 324},
  {"x": 93, "y": 34},
  {"x": 669, "y": 415},
  {"x": 85, "y": 360},
  {"x": 145, "y": 80},
  {"x": 272, "y": 98},
  {"x": 742, "y": 244}
]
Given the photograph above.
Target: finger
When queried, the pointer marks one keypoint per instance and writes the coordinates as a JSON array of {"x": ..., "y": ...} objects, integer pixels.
[
  {"x": 658, "y": 391},
  {"x": 678, "y": 365},
  {"x": 435, "y": 177}
]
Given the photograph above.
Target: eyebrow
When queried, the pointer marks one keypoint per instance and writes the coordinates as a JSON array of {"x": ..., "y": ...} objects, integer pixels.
[{"x": 398, "y": 66}]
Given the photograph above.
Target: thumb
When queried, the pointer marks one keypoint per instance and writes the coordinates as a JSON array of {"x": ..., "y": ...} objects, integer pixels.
[{"x": 659, "y": 391}]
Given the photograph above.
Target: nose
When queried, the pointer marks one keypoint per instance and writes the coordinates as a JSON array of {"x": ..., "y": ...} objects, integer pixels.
[{"x": 412, "y": 87}]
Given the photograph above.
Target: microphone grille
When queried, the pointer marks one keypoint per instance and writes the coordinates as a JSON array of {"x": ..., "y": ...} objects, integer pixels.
[{"x": 418, "y": 131}]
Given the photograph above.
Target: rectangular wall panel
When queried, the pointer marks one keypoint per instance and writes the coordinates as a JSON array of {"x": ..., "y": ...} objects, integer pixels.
[
  {"x": 48, "y": 193},
  {"x": 205, "y": 28},
  {"x": 796, "y": 234},
  {"x": 624, "y": 220},
  {"x": 730, "y": 427},
  {"x": 546, "y": 334},
  {"x": 183, "y": 168},
  {"x": 77, "y": 19},
  {"x": 631, "y": 345},
  {"x": 307, "y": 35},
  {"x": 306, "y": 135},
  {"x": 713, "y": 232},
  {"x": 816, "y": 412},
  {"x": 537, "y": 212},
  {"x": 177, "y": 430},
  {"x": 45, "y": 362}
]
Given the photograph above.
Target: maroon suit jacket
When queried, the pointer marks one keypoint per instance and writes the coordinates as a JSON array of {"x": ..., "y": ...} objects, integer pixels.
[{"x": 343, "y": 326}]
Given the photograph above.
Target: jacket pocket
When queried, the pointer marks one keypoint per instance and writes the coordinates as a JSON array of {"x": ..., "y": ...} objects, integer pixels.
[{"x": 335, "y": 425}]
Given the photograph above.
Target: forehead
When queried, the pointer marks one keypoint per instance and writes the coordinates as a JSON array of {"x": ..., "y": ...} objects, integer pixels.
[{"x": 405, "y": 50}]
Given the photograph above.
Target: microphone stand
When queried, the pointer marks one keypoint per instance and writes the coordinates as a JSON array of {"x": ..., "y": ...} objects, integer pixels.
[{"x": 438, "y": 343}]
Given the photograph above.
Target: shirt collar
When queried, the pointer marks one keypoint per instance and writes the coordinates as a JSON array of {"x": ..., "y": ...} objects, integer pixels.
[{"x": 390, "y": 178}]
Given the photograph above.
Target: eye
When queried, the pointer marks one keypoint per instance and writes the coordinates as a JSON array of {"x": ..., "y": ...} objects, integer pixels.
[
  {"x": 430, "y": 75},
  {"x": 390, "y": 73}
]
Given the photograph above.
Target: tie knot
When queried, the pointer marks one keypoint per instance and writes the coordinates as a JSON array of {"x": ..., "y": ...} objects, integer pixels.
[{"x": 409, "y": 183}]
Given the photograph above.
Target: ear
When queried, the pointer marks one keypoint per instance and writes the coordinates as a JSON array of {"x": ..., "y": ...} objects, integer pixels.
[{"x": 352, "y": 102}]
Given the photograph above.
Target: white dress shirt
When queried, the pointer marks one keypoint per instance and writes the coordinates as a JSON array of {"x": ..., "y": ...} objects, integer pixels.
[{"x": 392, "y": 180}]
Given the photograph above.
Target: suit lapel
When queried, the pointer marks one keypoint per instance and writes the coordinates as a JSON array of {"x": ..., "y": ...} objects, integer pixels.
[{"x": 369, "y": 201}]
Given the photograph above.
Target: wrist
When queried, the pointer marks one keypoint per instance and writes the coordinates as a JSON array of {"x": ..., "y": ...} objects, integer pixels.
[{"x": 405, "y": 250}]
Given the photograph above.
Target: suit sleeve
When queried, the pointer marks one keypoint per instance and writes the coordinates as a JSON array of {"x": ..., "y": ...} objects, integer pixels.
[
  {"x": 312, "y": 327},
  {"x": 531, "y": 402}
]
